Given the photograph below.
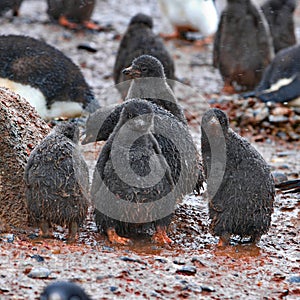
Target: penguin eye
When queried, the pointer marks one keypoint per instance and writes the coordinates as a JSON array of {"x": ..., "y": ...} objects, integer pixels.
[{"x": 144, "y": 69}]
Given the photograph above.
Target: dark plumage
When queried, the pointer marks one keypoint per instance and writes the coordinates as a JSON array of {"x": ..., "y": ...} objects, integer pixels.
[
  {"x": 63, "y": 290},
  {"x": 73, "y": 13},
  {"x": 33, "y": 63},
  {"x": 243, "y": 45},
  {"x": 150, "y": 83},
  {"x": 281, "y": 79},
  {"x": 279, "y": 14},
  {"x": 6, "y": 5},
  {"x": 56, "y": 178},
  {"x": 290, "y": 186},
  {"x": 239, "y": 203},
  {"x": 157, "y": 145},
  {"x": 139, "y": 39}
]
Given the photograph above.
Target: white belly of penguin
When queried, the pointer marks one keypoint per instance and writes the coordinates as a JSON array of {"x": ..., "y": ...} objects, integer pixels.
[{"x": 64, "y": 109}]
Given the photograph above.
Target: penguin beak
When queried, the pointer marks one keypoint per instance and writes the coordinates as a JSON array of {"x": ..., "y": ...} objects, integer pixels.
[{"x": 132, "y": 72}]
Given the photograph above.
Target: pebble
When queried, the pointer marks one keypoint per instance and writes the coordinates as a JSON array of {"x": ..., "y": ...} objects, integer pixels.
[
  {"x": 39, "y": 273},
  {"x": 131, "y": 259},
  {"x": 187, "y": 270},
  {"x": 207, "y": 288},
  {"x": 279, "y": 177},
  {"x": 113, "y": 288},
  {"x": 294, "y": 279},
  {"x": 37, "y": 257}
]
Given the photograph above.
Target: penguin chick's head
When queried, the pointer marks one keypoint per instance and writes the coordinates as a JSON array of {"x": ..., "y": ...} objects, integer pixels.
[
  {"x": 145, "y": 66},
  {"x": 142, "y": 19},
  {"x": 138, "y": 115},
  {"x": 64, "y": 291},
  {"x": 69, "y": 130},
  {"x": 213, "y": 119}
]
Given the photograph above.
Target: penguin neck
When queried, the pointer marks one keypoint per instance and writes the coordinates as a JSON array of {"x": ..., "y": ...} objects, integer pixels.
[{"x": 151, "y": 88}]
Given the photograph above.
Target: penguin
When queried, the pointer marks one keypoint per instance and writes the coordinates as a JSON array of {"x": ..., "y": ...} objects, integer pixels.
[
  {"x": 191, "y": 15},
  {"x": 14, "y": 5},
  {"x": 73, "y": 14},
  {"x": 289, "y": 186},
  {"x": 137, "y": 40},
  {"x": 147, "y": 165},
  {"x": 57, "y": 181},
  {"x": 281, "y": 79},
  {"x": 45, "y": 77},
  {"x": 279, "y": 14},
  {"x": 149, "y": 82},
  {"x": 239, "y": 203},
  {"x": 243, "y": 46},
  {"x": 63, "y": 290}
]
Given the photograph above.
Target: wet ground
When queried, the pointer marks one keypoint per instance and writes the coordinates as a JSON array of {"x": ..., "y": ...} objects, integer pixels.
[{"x": 193, "y": 267}]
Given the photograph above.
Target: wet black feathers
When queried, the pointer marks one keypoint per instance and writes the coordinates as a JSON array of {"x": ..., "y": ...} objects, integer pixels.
[
  {"x": 279, "y": 14},
  {"x": 243, "y": 45},
  {"x": 56, "y": 177},
  {"x": 150, "y": 83},
  {"x": 73, "y": 10},
  {"x": 139, "y": 39},
  {"x": 239, "y": 203},
  {"x": 32, "y": 62},
  {"x": 141, "y": 150}
]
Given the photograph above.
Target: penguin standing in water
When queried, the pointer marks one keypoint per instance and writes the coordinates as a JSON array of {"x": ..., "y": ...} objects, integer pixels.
[
  {"x": 279, "y": 14},
  {"x": 281, "y": 79},
  {"x": 45, "y": 77},
  {"x": 73, "y": 14},
  {"x": 243, "y": 46},
  {"x": 239, "y": 203},
  {"x": 57, "y": 181},
  {"x": 139, "y": 39},
  {"x": 148, "y": 164}
]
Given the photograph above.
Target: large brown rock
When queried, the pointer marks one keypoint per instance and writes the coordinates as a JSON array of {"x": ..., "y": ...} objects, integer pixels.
[{"x": 21, "y": 130}]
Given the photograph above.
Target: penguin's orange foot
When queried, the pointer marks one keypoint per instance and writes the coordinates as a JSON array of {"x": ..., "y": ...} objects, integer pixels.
[
  {"x": 92, "y": 26},
  {"x": 228, "y": 89},
  {"x": 160, "y": 236},
  {"x": 63, "y": 21},
  {"x": 224, "y": 241},
  {"x": 114, "y": 238}
]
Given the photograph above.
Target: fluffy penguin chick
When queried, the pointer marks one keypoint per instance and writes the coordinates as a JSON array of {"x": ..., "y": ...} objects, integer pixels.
[
  {"x": 167, "y": 140},
  {"x": 73, "y": 14},
  {"x": 239, "y": 203},
  {"x": 279, "y": 14},
  {"x": 149, "y": 82},
  {"x": 56, "y": 178},
  {"x": 140, "y": 39},
  {"x": 242, "y": 46}
]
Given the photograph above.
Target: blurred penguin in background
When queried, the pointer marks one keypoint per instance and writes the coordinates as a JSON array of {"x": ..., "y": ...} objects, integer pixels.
[
  {"x": 279, "y": 14},
  {"x": 190, "y": 16},
  {"x": 243, "y": 46}
]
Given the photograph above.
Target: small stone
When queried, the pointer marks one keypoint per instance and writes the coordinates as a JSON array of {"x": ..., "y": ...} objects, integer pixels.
[
  {"x": 161, "y": 260},
  {"x": 207, "y": 288},
  {"x": 39, "y": 273},
  {"x": 279, "y": 177},
  {"x": 113, "y": 288},
  {"x": 179, "y": 262},
  {"x": 187, "y": 270},
  {"x": 278, "y": 119},
  {"x": 130, "y": 259},
  {"x": 37, "y": 257},
  {"x": 294, "y": 279}
]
